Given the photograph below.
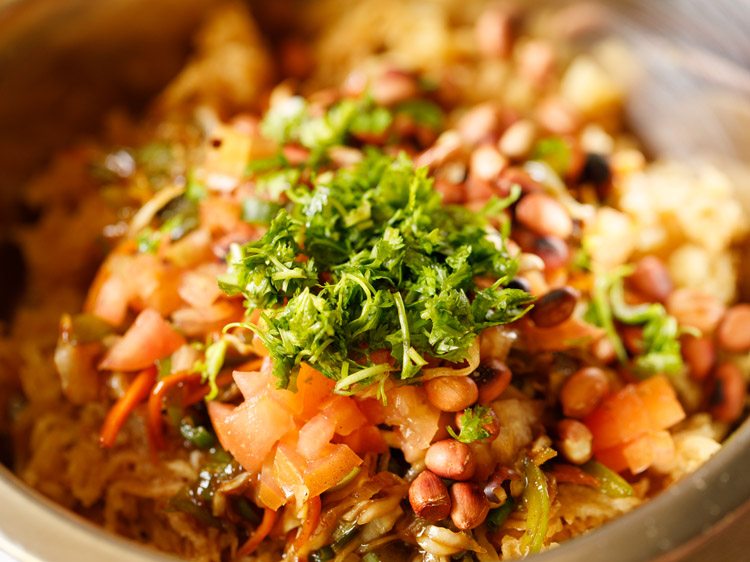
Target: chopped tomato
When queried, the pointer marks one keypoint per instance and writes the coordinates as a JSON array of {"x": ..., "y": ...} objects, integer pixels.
[
  {"x": 635, "y": 410},
  {"x": 620, "y": 418},
  {"x": 289, "y": 471},
  {"x": 365, "y": 440},
  {"x": 315, "y": 435},
  {"x": 661, "y": 402},
  {"x": 636, "y": 455},
  {"x": 252, "y": 383},
  {"x": 199, "y": 288},
  {"x": 201, "y": 321},
  {"x": 148, "y": 339},
  {"x": 313, "y": 388},
  {"x": 652, "y": 449},
  {"x": 260, "y": 434},
  {"x": 373, "y": 410},
  {"x": 297, "y": 475},
  {"x": 343, "y": 412},
  {"x": 269, "y": 493},
  {"x": 250, "y": 430},
  {"x": 628, "y": 427},
  {"x": 333, "y": 465},
  {"x": 153, "y": 283},
  {"x": 108, "y": 299}
]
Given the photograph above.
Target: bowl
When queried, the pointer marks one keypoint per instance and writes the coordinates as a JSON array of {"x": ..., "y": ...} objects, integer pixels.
[{"x": 63, "y": 64}]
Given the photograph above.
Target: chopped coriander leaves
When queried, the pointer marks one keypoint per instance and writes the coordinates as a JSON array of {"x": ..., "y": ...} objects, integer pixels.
[
  {"x": 660, "y": 340},
  {"x": 271, "y": 269},
  {"x": 661, "y": 344},
  {"x": 290, "y": 120},
  {"x": 474, "y": 424},
  {"x": 369, "y": 259}
]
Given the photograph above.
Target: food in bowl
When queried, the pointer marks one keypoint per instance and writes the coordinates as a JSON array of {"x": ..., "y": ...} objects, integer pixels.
[{"x": 425, "y": 299}]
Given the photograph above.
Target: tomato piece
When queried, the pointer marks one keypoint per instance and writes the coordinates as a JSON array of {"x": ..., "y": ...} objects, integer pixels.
[
  {"x": 313, "y": 388},
  {"x": 148, "y": 339},
  {"x": 199, "y": 288},
  {"x": 251, "y": 430},
  {"x": 325, "y": 472},
  {"x": 367, "y": 439},
  {"x": 620, "y": 418},
  {"x": 637, "y": 409},
  {"x": 664, "y": 451},
  {"x": 373, "y": 410},
  {"x": 251, "y": 383},
  {"x": 636, "y": 455},
  {"x": 315, "y": 435},
  {"x": 660, "y": 401},
  {"x": 288, "y": 471},
  {"x": 344, "y": 413},
  {"x": 109, "y": 300},
  {"x": 154, "y": 284},
  {"x": 269, "y": 492}
]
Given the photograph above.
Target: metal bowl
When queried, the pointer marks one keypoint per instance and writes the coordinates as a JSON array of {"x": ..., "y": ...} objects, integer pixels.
[{"x": 63, "y": 64}]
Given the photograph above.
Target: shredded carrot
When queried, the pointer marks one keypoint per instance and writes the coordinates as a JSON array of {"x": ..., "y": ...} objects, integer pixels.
[
  {"x": 269, "y": 519},
  {"x": 118, "y": 415},
  {"x": 155, "y": 403},
  {"x": 574, "y": 475},
  {"x": 309, "y": 525}
]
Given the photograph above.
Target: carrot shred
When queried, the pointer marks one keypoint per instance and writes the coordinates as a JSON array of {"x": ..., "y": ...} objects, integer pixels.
[
  {"x": 269, "y": 519},
  {"x": 309, "y": 525},
  {"x": 155, "y": 423},
  {"x": 574, "y": 475},
  {"x": 119, "y": 413}
]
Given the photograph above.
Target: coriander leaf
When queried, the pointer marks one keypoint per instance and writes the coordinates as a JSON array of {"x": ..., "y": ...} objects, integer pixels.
[
  {"x": 600, "y": 312},
  {"x": 270, "y": 269},
  {"x": 291, "y": 120},
  {"x": 474, "y": 422},
  {"x": 367, "y": 259},
  {"x": 661, "y": 344}
]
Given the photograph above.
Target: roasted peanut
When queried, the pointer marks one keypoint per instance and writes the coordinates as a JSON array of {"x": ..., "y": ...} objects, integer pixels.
[
  {"x": 451, "y": 459},
  {"x": 429, "y": 497}
]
